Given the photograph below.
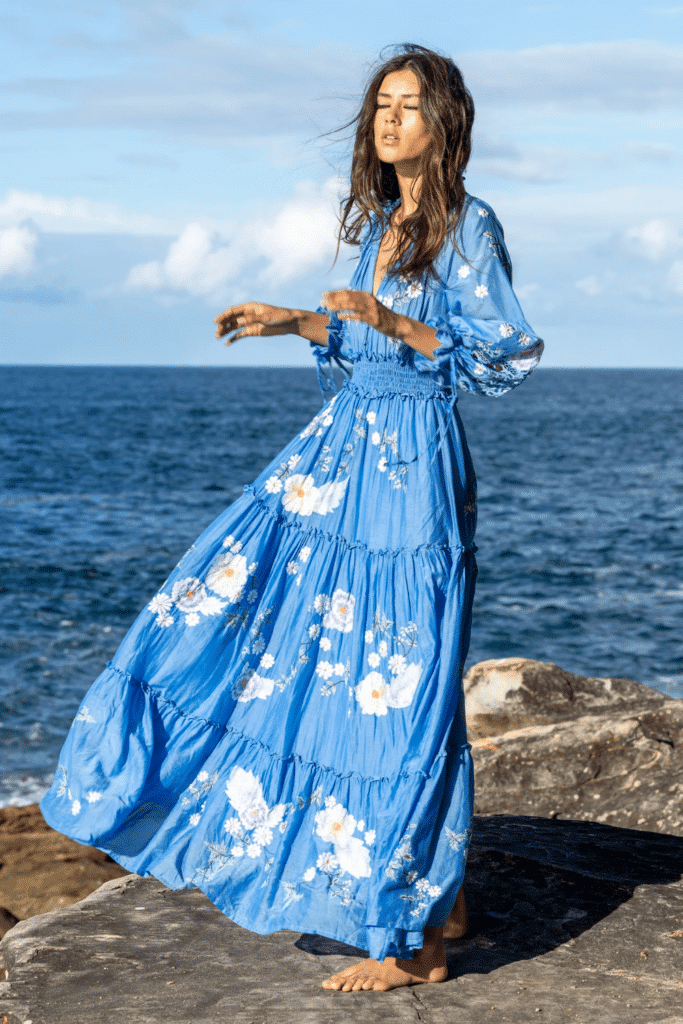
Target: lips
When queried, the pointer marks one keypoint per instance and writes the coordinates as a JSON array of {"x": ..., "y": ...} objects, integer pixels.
[{"x": 390, "y": 137}]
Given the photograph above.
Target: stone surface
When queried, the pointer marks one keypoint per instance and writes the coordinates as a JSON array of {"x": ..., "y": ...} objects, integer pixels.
[
  {"x": 546, "y": 742},
  {"x": 41, "y": 870},
  {"x": 572, "y": 923}
]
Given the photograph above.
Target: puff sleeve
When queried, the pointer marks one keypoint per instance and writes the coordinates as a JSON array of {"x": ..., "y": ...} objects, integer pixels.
[
  {"x": 326, "y": 355},
  {"x": 486, "y": 345}
]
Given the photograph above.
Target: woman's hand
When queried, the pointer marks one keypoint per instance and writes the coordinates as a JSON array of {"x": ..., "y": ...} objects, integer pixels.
[
  {"x": 255, "y": 319},
  {"x": 353, "y": 305}
]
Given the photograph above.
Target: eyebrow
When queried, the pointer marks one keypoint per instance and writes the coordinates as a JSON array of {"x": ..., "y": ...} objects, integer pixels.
[{"x": 404, "y": 95}]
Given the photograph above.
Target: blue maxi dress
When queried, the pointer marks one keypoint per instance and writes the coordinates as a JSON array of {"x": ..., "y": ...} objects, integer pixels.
[{"x": 283, "y": 726}]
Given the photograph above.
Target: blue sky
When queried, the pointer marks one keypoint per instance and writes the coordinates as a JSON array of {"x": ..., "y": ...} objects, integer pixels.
[{"x": 162, "y": 159}]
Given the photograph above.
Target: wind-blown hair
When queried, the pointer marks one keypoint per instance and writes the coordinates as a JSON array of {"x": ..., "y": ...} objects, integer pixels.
[{"x": 447, "y": 109}]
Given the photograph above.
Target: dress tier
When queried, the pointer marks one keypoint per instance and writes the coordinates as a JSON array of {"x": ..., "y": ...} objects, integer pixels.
[{"x": 283, "y": 726}]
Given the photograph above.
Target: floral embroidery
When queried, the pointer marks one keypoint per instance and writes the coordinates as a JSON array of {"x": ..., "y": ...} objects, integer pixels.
[
  {"x": 227, "y": 576},
  {"x": 84, "y": 715},
  {"x": 324, "y": 418},
  {"x": 375, "y": 695},
  {"x": 389, "y": 442},
  {"x": 420, "y": 892},
  {"x": 251, "y": 830},
  {"x": 464, "y": 271},
  {"x": 340, "y": 614},
  {"x": 335, "y": 825},
  {"x": 303, "y": 498},
  {"x": 481, "y": 291},
  {"x": 64, "y": 790}
]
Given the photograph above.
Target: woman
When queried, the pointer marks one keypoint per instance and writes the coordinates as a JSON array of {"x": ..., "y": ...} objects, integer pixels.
[{"x": 284, "y": 725}]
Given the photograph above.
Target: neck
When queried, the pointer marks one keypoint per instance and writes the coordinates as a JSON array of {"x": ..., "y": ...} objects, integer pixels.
[{"x": 409, "y": 184}]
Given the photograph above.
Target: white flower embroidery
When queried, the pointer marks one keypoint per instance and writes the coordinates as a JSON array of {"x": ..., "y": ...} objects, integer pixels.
[
  {"x": 387, "y": 300},
  {"x": 160, "y": 604},
  {"x": 92, "y": 796},
  {"x": 327, "y": 862},
  {"x": 376, "y": 437},
  {"x": 373, "y": 659},
  {"x": 524, "y": 339},
  {"x": 396, "y": 663},
  {"x": 506, "y": 330},
  {"x": 300, "y": 494},
  {"x": 227, "y": 576},
  {"x": 481, "y": 291},
  {"x": 267, "y": 661},
  {"x": 192, "y": 619},
  {"x": 339, "y": 669},
  {"x": 253, "y": 850},
  {"x": 321, "y": 603},
  {"x": 233, "y": 826},
  {"x": 402, "y": 689},
  {"x": 482, "y": 212},
  {"x": 305, "y": 554},
  {"x": 292, "y": 568},
  {"x": 369, "y": 636},
  {"x": 273, "y": 484},
  {"x": 479, "y": 370},
  {"x": 371, "y": 694},
  {"x": 329, "y": 496},
  {"x": 263, "y": 835},
  {"x": 335, "y": 825},
  {"x": 189, "y": 594},
  {"x": 325, "y": 644},
  {"x": 75, "y": 807},
  {"x": 195, "y": 819},
  {"x": 165, "y": 620},
  {"x": 309, "y": 875},
  {"x": 257, "y": 687},
  {"x": 413, "y": 290},
  {"x": 434, "y": 890},
  {"x": 292, "y": 461},
  {"x": 370, "y": 837},
  {"x": 245, "y": 794},
  {"x": 382, "y": 464},
  {"x": 314, "y": 630},
  {"x": 237, "y": 851},
  {"x": 324, "y": 669},
  {"x": 328, "y": 421},
  {"x": 383, "y": 648},
  {"x": 84, "y": 715},
  {"x": 371, "y": 417},
  {"x": 340, "y": 615},
  {"x": 252, "y": 595},
  {"x": 464, "y": 271}
]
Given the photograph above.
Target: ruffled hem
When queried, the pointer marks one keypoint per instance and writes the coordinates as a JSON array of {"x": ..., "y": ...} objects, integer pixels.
[{"x": 168, "y": 797}]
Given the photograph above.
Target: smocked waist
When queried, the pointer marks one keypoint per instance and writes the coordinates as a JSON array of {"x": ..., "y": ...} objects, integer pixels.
[{"x": 388, "y": 376}]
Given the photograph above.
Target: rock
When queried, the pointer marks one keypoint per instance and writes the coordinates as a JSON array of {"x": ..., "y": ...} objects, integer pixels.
[
  {"x": 41, "y": 870},
  {"x": 546, "y": 742},
  {"x": 571, "y": 922},
  {"x": 7, "y": 921}
]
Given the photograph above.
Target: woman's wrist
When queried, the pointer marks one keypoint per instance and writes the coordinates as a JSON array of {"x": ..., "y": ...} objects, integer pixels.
[
  {"x": 310, "y": 325},
  {"x": 415, "y": 334}
]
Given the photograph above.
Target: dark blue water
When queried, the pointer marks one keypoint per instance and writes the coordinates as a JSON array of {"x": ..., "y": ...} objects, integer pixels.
[{"x": 107, "y": 475}]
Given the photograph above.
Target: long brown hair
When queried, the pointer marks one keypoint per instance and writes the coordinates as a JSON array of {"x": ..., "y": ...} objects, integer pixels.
[{"x": 448, "y": 112}]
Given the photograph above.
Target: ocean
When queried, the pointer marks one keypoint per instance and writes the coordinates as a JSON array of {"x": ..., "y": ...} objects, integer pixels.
[{"x": 108, "y": 474}]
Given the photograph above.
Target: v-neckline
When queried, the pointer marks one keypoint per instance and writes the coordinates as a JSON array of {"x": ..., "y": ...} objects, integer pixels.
[{"x": 395, "y": 205}]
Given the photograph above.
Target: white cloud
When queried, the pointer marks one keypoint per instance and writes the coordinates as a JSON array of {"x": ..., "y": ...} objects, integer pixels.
[
  {"x": 675, "y": 277},
  {"x": 296, "y": 239},
  {"x": 77, "y": 216},
  {"x": 17, "y": 250},
  {"x": 590, "y": 285},
  {"x": 632, "y": 75},
  {"x": 656, "y": 238}
]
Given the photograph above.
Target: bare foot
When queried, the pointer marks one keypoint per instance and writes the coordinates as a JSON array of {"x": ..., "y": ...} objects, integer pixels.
[
  {"x": 427, "y": 965},
  {"x": 457, "y": 923}
]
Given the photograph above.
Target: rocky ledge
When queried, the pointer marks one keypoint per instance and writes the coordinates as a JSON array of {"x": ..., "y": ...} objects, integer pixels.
[
  {"x": 550, "y": 743},
  {"x": 570, "y": 922}
]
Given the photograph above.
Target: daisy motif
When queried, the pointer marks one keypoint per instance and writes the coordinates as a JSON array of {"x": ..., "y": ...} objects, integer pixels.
[
  {"x": 506, "y": 330},
  {"x": 369, "y": 636},
  {"x": 482, "y": 212},
  {"x": 305, "y": 554},
  {"x": 328, "y": 421},
  {"x": 267, "y": 661},
  {"x": 253, "y": 850},
  {"x": 314, "y": 631},
  {"x": 464, "y": 271},
  {"x": 396, "y": 663},
  {"x": 192, "y": 619},
  {"x": 383, "y": 648},
  {"x": 373, "y": 659},
  {"x": 370, "y": 837},
  {"x": 195, "y": 819},
  {"x": 273, "y": 484},
  {"x": 300, "y": 494},
  {"x": 227, "y": 576},
  {"x": 188, "y": 594},
  {"x": 92, "y": 796},
  {"x": 413, "y": 290},
  {"x": 327, "y": 862},
  {"x": 165, "y": 620},
  {"x": 309, "y": 875},
  {"x": 371, "y": 417},
  {"x": 422, "y": 885},
  {"x": 292, "y": 461},
  {"x": 382, "y": 464},
  {"x": 339, "y": 669},
  {"x": 371, "y": 694},
  {"x": 252, "y": 595},
  {"x": 324, "y": 669},
  {"x": 263, "y": 835},
  {"x": 292, "y": 568},
  {"x": 387, "y": 300},
  {"x": 340, "y": 615},
  {"x": 434, "y": 890},
  {"x": 321, "y": 603},
  {"x": 325, "y": 644},
  {"x": 481, "y": 291},
  {"x": 234, "y": 828},
  {"x": 160, "y": 604},
  {"x": 376, "y": 437}
]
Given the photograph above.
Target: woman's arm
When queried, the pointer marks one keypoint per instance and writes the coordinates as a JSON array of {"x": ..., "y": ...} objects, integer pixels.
[
  {"x": 364, "y": 306},
  {"x": 255, "y": 319}
]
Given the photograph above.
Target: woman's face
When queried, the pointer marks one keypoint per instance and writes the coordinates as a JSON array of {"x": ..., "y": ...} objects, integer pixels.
[{"x": 400, "y": 132}]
